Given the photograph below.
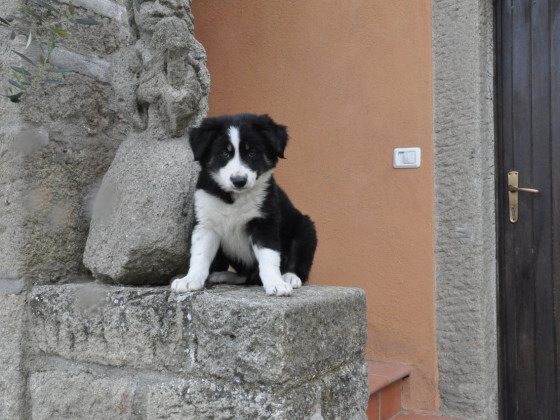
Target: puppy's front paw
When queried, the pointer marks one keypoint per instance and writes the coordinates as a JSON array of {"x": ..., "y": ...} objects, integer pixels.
[
  {"x": 189, "y": 283},
  {"x": 277, "y": 288},
  {"x": 292, "y": 279}
]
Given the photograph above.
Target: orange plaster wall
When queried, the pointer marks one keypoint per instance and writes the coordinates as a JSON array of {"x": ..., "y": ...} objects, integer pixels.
[{"x": 352, "y": 80}]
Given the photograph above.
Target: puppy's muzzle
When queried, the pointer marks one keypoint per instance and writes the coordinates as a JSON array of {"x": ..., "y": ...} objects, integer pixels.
[{"x": 238, "y": 181}]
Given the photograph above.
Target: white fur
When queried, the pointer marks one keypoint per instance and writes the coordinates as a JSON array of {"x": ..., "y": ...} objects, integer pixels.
[
  {"x": 269, "y": 271},
  {"x": 228, "y": 220},
  {"x": 292, "y": 279},
  {"x": 205, "y": 244},
  {"x": 220, "y": 223},
  {"x": 235, "y": 167}
]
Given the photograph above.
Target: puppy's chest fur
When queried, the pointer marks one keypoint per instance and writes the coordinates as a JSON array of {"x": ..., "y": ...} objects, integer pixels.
[{"x": 229, "y": 221}]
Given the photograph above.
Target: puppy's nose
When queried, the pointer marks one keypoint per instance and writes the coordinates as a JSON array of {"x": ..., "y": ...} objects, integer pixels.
[{"x": 238, "y": 181}]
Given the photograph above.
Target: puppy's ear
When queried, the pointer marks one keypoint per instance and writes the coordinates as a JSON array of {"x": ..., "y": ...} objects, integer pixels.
[
  {"x": 275, "y": 134},
  {"x": 200, "y": 139}
]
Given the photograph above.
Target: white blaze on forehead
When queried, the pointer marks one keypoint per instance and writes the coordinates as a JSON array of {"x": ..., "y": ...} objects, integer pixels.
[
  {"x": 236, "y": 167},
  {"x": 233, "y": 133}
]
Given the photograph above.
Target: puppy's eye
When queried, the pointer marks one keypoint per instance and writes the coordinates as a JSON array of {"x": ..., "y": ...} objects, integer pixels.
[
  {"x": 252, "y": 154},
  {"x": 225, "y": 153}
]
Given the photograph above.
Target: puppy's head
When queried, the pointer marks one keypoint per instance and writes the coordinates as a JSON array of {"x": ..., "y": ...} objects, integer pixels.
[{"x": 237, "y": 150}]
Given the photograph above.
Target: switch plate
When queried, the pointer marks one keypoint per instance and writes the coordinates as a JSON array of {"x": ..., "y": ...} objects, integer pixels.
[{"x": 406, "y": 157}]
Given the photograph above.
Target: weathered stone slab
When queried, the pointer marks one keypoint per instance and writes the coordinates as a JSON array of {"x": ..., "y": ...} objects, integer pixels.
[
  {"x": 68, "y": 391},
  {"x": 340, "y": 394},
  {"x": 113, "y": 326},
  {"x": 221, "y": 353},
  {"x": 227, "y": 332},
  {"x": 80, "y": 394},
  {"x": 240, "y": 330},
  {"x": 203, "y": 398}
]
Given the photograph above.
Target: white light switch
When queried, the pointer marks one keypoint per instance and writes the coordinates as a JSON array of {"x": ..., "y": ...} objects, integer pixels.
[{"x": 406, "y": 157}]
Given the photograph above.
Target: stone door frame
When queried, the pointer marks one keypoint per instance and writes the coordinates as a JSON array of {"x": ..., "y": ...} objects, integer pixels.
[{"x": 465, "y": 206}]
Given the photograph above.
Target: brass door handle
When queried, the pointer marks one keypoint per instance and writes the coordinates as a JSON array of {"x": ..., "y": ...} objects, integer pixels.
[{"x": 513, "y": 190}]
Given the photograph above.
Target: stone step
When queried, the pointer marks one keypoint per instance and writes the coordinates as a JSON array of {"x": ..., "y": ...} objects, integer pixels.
[
  {"x": 414, "y": 416},
  {"x": 385, "y": 387},
  {"x": 225, "y": 352},
  {"x": 385, "y": 382}
]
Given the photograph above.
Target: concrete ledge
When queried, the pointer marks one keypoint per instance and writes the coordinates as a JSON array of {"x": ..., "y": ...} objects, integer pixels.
[{"x": 226, "y": 352}]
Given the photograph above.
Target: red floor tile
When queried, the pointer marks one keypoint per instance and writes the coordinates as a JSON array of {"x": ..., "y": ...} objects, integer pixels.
[
  {"x": 373, "y": 407},
  {"x": 390, "y": 400},
  {"x": 382, "y": 374},
  {"x": 413, "y": 416}
]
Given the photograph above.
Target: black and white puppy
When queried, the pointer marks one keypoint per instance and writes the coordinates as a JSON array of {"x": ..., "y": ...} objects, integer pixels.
[{"x": 243, "y": 218}]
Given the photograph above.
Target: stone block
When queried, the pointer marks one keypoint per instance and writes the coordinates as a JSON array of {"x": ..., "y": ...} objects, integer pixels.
[
  {"x": 225, "y": 352},
  {"x": 344, "y": 392},
  {"x": 240, "y": 330},
  {"x": 69, "y": 391},
  {"x": 80, "y": 394},
  {"x": 186, "y": 399},
  {"x": 340, "y": 394},
  {"x": 227, "y": 332},
  {"x": 113, "y": 326},
  {"x": 143, "y": 213}
]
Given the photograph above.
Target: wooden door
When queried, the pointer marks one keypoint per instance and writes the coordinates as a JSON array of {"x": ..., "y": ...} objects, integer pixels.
[{"x": 528, "y": 129}]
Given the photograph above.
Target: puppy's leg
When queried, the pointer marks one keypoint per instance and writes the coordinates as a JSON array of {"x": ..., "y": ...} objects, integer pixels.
[
  {"x": 269, "y": 271},
  {"x": 204, "y": 246},
  {"x": 298, "y": 257}
]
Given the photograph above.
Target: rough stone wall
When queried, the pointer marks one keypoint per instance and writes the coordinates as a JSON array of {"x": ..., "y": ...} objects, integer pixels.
[
  {"x": 140, "y": 76},
  {"x": 463, "y": 54},
  {"x": 12, "y": 362},
  {"x": 53, "y": 148}
]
